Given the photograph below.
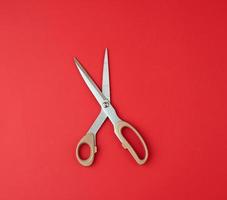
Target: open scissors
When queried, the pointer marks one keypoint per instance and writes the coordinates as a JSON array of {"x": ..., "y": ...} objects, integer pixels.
[{"x": 107, "y": 110}]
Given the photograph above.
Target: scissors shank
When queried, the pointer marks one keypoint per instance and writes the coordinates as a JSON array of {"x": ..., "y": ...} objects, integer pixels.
[
  {"x": 97, "y": 123},
  {"x": 111, "y": 114}
]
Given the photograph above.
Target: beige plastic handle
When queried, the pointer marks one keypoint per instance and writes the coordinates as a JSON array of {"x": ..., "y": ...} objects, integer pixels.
[
  {"x": 118, "y": 130},
  {"x": 88, "y": 139}
]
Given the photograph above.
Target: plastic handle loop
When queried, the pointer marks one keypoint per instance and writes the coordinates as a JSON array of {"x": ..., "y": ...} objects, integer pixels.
[
  {"x": 118, "y": 130},
  {"x": 88, "y": 139}
]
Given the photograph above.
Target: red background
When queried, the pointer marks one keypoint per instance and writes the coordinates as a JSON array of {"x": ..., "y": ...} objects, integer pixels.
[{"x": 168, "y": 78}]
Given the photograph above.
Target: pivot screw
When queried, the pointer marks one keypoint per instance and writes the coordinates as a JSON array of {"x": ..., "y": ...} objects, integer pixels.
[{"x": 106, "y": 104}]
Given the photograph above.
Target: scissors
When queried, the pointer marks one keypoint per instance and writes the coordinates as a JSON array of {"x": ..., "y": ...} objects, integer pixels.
[{"x": 107, "y": 110}]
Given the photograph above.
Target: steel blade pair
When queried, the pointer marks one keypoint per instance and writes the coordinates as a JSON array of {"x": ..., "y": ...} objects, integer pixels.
[
  {"x": 107, "y": 110},
  {"x": 106, "y": 92}
]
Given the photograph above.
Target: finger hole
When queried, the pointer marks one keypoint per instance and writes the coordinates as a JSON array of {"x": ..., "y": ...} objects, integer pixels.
[
  {"x": 84, "y": 151},
  {"x": 134, "y": 141}
]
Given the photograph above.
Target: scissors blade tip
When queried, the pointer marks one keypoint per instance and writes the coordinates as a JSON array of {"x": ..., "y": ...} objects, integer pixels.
[
  {"x": 106, "y": 51},
  {"x": 75, "y": 60},
  {"x": 77, "y": 63}
]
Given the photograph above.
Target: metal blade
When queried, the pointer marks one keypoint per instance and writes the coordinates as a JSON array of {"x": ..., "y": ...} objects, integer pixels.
[
  {"x": 105, "y": 76},
  {"x": 106, "y": 91},
  {"x": 97, "y": 123},
  {"x": 102, "y": 100},
  {"x": 90, "y": 83}
]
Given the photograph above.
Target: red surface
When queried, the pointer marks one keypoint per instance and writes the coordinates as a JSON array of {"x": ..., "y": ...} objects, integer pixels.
[{"x": 168, "y": 78}]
